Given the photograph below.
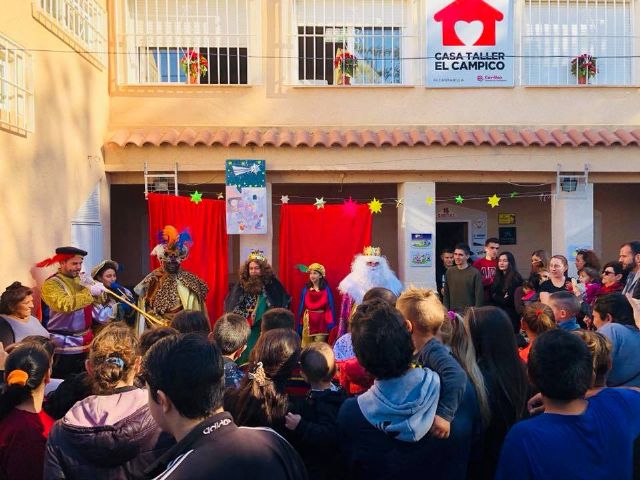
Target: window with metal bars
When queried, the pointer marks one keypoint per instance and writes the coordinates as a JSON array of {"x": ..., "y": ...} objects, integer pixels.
[
  {"x": 16, "y": 88},
  {"x": 81, "y": 23},
  {"x": 184, "y": 41},
  {"x": 371, "y": 30},
  {"x": 576, "y": 42}
]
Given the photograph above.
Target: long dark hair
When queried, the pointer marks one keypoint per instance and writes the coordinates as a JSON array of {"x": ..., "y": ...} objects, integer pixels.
[
  {"x": 497, "y": 353},
  {"x": 322, "y": 284},
  {"x": 261, "y": 400},
  {"x": 509, "y": 280},
  {"x": 31, "y": 359}
]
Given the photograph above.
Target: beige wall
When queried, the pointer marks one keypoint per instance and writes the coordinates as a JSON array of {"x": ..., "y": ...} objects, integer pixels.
[
  {"x": 275, "y": 102},
  {"x": 46, "y": 175}
]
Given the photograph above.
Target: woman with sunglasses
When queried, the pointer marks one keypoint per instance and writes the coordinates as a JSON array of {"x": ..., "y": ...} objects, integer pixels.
[{"x": 611, "y": 277}]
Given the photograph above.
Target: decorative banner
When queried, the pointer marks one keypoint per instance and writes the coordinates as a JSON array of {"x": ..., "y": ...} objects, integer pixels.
[
  {"x": 470, "y": 43},
  {"x": 246, "y": 197}
]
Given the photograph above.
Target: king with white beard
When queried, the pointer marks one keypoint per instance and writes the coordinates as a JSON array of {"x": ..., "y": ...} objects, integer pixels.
[{"x": 368, "y": 270}]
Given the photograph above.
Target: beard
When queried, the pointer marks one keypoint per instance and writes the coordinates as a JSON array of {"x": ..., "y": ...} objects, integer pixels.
[{"x": 253, "y": 285}]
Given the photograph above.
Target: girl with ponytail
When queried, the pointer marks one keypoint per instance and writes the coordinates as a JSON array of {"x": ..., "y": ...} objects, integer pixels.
[
  {"x": 110, "y": 435},
  {"x": 24, "y": 426}
]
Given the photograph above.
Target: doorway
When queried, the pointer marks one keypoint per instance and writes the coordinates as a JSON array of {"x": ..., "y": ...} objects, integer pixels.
[{"x": 450, "y": 233}]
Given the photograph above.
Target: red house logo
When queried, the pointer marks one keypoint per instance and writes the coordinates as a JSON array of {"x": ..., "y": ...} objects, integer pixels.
[{"x": 468, "y": 13}]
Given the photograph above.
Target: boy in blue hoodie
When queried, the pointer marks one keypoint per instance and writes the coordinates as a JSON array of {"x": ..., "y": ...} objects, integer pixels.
[{"x": 383, "y": 432}]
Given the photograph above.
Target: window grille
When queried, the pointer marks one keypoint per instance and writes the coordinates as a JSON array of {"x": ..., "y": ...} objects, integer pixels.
[
  {"x": 185, "y": 41},
  {"x": 16, "y": 87},
  {"x": 555, "y": 32},
  {"x": 375, "y": 31},
  {"x": 80, "y": 23}
]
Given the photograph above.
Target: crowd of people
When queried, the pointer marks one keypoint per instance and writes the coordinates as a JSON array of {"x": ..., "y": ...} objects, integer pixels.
[{"x": 494, "y": 374}]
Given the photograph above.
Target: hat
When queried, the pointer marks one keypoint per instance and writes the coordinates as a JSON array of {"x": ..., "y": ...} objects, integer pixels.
[
  {"x": 102, "y": 267},
  {"x": 313, "y": 267},
  {"x": 173, "y": 243},
  {"x": 62, "y": 254}
]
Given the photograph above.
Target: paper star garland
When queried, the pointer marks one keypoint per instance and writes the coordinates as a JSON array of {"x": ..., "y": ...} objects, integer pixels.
[
  {"x": 399, "y": 202},
  {"x": 429, "y": 201},
  {"x": 459, "y": 199},
  {"x": 220, "y": 196},
  {"x": 513, "y": 194},
  {"x": 196, "y": 197},
  {"x": 319, "y": 203},
  {"x": 375, "y": 205},
  {"x": 350, "y": 206},
  {"x": 284, "y": 199},
  {"x": 494, "y": 201}
]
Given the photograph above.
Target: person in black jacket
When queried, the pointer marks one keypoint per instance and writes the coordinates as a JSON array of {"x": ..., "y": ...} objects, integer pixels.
[
  {"x": 505, "y": 283},
  {"x": 185, "y": 381},
  {"x": 315, "y": 429}
]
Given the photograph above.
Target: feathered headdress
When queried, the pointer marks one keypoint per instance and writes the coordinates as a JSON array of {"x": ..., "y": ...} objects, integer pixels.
[
  {"x": 62, "y": 254},
  {"x": 173, "y": 243},
  {"x": 314, "y": 266}
]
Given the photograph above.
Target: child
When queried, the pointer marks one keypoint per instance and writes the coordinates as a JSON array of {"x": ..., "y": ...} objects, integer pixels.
[
  {"x": 425, "y": 314},
  {"x": 231, "y": 333},
  {"x": 314, "y": 431}
]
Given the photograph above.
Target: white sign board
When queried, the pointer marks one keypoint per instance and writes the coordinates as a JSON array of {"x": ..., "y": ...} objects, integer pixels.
[{"x": 470, "y": 43}]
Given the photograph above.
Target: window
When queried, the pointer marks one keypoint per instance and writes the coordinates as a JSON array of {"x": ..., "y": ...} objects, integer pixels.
[
  {"x": 80, "y": 23},
  {"x": 372, "y": 30},
  {"x": 556, "y": 32},
  {"x": 162, "y": 40},
  {"x": 16, "y": 93}
]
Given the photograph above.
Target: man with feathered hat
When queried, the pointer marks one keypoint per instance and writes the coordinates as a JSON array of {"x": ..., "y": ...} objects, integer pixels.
[
  {"x": 169, "y": 289},
  {"x": 67, "y": 299},
  {"x": 257, "y": 291},
  {"x": 368, "y": 270}
]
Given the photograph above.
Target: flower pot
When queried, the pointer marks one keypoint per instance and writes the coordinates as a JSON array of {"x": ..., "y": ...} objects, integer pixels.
[
  {"x": 193, "y": 79},
  {"x": 582, "y": 80},
  {"x": 346, "y": 79}
]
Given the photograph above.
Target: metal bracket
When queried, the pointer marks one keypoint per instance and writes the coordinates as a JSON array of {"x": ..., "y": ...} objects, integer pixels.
[{"x": 160, "y": 182}]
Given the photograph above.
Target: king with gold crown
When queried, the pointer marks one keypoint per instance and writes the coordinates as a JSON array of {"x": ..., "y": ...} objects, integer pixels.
[
  {"x": 256, "y": 291},
  {"x": 368, "y": 270}
]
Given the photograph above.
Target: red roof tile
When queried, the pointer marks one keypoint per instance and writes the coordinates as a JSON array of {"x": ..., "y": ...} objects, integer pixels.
[{"x": 289, "y": 137}]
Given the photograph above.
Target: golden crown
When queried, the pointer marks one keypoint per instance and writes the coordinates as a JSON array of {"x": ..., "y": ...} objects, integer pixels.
[
  {"x": 257, "y": 255},
  {"x": 372, "y": 251}
]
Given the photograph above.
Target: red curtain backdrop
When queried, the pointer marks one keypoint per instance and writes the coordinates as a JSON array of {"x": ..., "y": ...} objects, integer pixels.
[
  {"x": 208, "y": 256},
  {"x": 330, "y": 236}
]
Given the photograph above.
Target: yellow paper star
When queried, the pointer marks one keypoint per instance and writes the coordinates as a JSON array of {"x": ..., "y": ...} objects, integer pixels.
[
  {"x": 429, "y": 200},
  {"x": 375, "y": 205},
  {"x": 320, "y": 203},
  {"x": 494, "y": 201}
]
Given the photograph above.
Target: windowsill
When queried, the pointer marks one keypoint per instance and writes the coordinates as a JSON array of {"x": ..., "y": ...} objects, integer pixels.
[
  {"x": 347, "y": 87},
  {"x": 581, "y": 86},
  {"x": 183, "y": 88}
]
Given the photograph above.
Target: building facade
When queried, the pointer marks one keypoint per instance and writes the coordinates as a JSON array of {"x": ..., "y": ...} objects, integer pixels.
[{"x": 190, "y": 83}]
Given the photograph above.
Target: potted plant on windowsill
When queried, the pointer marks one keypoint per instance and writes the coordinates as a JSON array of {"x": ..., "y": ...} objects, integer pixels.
[
  {"x": 584, "y": 67},
  {"x": 345, "y": 64},
  {"x": 194, "y": 66}
]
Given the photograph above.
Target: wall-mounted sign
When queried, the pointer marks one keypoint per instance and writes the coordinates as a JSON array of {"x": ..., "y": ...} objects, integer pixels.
[
  {"x": 470, "y": 43},
  {"x": 506, "y": 219},
  {"x": 507, "y": 235},
  {"x": 421, "y": 250}
]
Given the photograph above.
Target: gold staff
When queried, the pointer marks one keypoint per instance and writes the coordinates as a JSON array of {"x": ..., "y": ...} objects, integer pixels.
[{"x": 155, "y": 322}]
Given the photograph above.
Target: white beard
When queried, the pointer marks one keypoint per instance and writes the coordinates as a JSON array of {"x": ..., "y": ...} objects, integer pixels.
[{"x": 363, "y": 278}]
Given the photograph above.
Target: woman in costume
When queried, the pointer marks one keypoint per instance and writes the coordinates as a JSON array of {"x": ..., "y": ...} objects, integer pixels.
[
  {"x": 315, "y": 313},
  {"x": 106, "y": 307}
]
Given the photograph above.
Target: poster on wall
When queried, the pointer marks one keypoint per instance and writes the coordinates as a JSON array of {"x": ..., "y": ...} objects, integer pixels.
[
  {"x": 421, "y": 250},
  {"x": 470, "y": 43},
  {"x": 246, "y": 197}
]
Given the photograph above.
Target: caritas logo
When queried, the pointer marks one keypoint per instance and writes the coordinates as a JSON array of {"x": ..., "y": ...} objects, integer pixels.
[{"x": 468, "y": 23}]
